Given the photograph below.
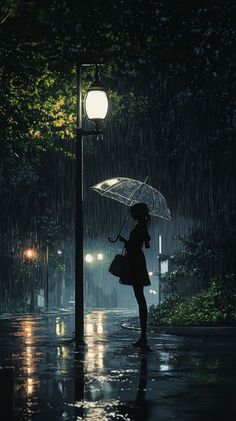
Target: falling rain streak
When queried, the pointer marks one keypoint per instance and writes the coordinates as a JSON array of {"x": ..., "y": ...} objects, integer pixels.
[{"x": 177, "y": 140}]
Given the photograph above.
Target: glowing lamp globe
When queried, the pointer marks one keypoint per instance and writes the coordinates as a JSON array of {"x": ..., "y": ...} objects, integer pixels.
[{"x": 96, "y": 104}]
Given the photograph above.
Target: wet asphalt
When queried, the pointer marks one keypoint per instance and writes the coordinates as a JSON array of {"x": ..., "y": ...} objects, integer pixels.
[{"x": 44, "y": 376}]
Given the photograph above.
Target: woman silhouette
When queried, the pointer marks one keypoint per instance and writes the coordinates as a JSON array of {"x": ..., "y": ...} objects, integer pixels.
[{"x": 136, "y": 271}]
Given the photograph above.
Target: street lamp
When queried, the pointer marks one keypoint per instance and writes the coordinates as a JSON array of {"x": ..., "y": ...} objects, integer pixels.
[
  {"x": 159, "y": 265},
  {"x": 89, "y": 258},
  {"x": 96, "y": 107}
]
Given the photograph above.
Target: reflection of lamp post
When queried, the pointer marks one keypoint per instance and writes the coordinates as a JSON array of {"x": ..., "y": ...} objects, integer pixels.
[{"x": 96, "y": 106}]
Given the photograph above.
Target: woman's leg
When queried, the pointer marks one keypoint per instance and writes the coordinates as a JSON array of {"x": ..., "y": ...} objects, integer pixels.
[{"x": 141, "y": 300}]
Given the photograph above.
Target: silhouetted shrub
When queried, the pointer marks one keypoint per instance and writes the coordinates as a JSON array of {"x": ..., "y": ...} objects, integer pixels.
[{"x": 213, "y": 307}]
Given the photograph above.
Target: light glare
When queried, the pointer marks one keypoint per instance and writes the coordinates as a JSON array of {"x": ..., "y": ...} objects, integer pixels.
[
  {"x": 89, "y": 258},
  {"x": 30, "y": 254}
]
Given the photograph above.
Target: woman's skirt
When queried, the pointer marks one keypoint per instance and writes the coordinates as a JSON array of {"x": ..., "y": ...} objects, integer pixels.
[{"x": 136, "y": 271}]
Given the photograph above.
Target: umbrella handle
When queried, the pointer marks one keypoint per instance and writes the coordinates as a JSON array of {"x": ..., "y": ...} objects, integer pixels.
[{"x": 117, "y": 237}]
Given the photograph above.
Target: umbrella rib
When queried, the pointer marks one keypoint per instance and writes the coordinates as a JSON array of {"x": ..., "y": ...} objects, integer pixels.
[
  {"x": 135, "y": 192},
  {"x": 117, "y": 195},
  {"x": 153, "y": 198},
  {"x": 142, "y": 184}
]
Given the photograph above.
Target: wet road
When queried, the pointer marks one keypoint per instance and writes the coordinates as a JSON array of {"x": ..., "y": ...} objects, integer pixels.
[{"x": 44, "y": 377}]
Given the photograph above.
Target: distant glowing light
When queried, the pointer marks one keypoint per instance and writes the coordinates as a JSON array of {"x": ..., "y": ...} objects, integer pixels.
[
  {"x": 160, "y": 245},
  {"x": 100, "y": 256},
  {"x": 30, "y": 254},
  {"x": 164, "y": 367},
  {"x": 59, "y": 252},
  {"x": 150, "y": 273},
  {"x": 89, "y": 258},
  {"x": 164, "y": 266}
]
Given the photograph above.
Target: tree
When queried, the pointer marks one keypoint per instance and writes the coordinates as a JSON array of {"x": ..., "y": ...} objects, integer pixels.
[{"x": 169, "y": 68}]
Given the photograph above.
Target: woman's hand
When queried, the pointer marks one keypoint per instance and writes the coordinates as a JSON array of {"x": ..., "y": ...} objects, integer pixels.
[{"x": 122, "y": 239}]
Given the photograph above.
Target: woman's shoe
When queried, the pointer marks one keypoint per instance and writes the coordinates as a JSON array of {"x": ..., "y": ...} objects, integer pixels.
[{"x": 140, "y": 343}]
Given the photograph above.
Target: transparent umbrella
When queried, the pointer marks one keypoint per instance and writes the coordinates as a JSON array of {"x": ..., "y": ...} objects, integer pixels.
[{"x": 129, "y": 191}]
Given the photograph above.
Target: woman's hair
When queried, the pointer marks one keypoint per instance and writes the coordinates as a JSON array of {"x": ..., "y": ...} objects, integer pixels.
[{"x": 140, "y": 212}]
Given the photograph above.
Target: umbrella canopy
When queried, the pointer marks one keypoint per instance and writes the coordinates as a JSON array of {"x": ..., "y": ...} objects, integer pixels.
[{"x": 129, "y": 191}]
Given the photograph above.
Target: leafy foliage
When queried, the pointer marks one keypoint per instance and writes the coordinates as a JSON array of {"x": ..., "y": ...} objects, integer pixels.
[
  {"x": 198, "y": 253},
  {"x": 213, "y": 307},
  {"x": 159, "y": 314},
  {"x": 41, "y": 42},
  {"x": 204, "y": 253}
]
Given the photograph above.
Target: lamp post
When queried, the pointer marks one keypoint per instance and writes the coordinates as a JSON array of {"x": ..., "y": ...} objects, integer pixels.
[
  {"x": 96, "y": 107},
  {"x": 47, "y": 278},
  {"x": 159, "y": 266},
  {"x": 30, "y": 254}
]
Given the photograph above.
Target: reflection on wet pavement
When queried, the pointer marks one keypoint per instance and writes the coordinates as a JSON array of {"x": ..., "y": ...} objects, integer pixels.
[{"x": 45, "y": 377}]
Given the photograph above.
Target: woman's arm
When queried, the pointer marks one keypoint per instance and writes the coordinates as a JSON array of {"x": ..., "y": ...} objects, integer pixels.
[
  {"x": 146, "y": 237},
  {"x": 122, "y": 239},
  {"x": 147, "y": 240}
]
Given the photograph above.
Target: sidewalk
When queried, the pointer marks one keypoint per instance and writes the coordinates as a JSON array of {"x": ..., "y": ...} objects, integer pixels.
[
  {"x": 182, "y": 379},
  {"x": 192, "y": 331}
]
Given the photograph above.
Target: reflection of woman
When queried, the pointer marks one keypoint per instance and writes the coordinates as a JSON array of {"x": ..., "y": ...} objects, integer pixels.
[
  {"x": 136, "y": 271},
  {"x": 140, "y": 409}
]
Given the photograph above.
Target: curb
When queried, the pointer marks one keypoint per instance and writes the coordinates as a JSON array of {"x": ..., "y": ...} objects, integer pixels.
[{"x": 198, "y": 331}]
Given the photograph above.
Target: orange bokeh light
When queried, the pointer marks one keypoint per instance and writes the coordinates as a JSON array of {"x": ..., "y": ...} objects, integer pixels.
[{"x": 30, "y": 254}]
